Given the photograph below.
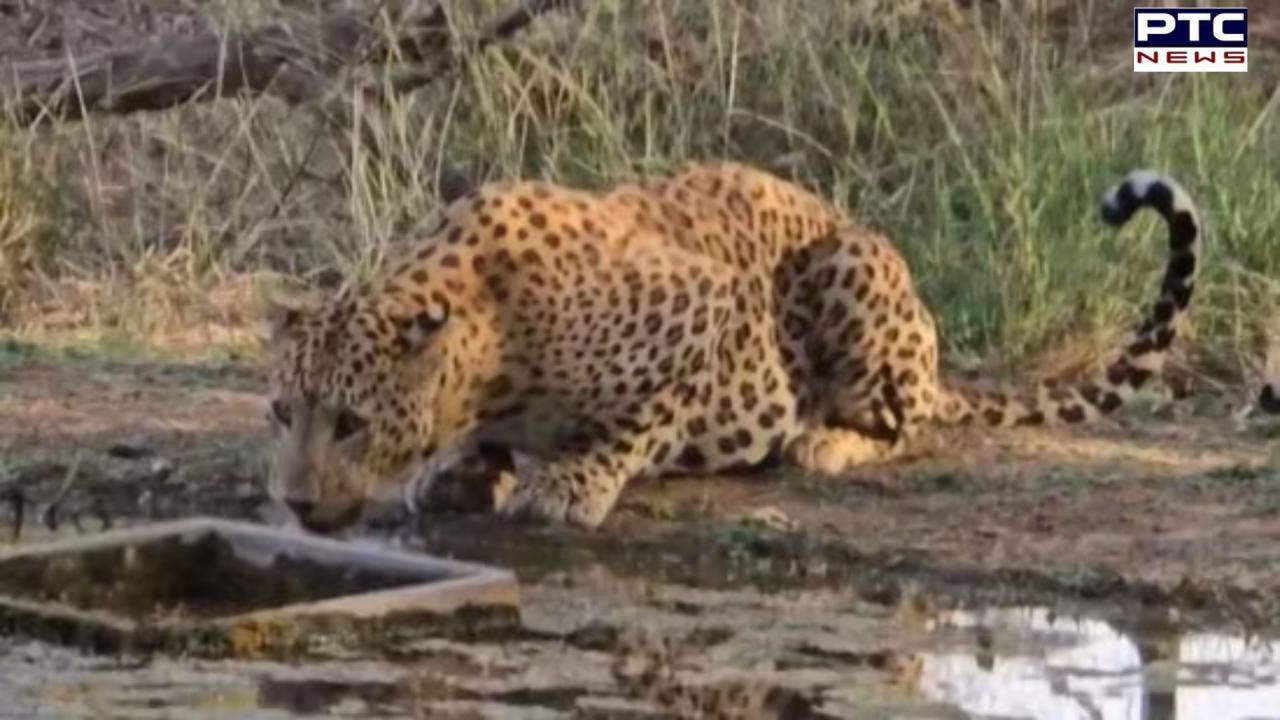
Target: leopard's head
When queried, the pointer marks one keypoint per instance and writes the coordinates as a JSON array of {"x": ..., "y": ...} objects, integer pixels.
[{"x": 353, "y": 383}]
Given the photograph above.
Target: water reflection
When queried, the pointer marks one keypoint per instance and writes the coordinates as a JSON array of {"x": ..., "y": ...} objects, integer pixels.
[
  {"x": 1227, "y": 677},
  {"x": 1030, "y": 664}
]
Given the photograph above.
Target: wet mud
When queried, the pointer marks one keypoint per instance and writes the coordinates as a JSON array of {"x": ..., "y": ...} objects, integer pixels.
[
  {"x": 173, "y": 579},
  {"x": 1125, "y": 571}
]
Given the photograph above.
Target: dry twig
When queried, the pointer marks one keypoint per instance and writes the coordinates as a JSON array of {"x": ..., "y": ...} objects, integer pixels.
[{"x": 296, "y": 61}]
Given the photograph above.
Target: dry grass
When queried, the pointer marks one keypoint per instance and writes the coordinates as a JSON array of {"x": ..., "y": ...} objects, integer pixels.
[{"x": 979, "y": 137}]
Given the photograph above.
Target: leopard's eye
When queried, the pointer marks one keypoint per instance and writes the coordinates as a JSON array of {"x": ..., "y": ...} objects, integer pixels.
[
  {"x": 347, "y": 424},
  {"x": 280, "y": 411}
]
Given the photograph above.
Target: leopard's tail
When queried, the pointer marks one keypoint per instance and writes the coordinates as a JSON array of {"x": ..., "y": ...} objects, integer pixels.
[{"x": 1142, "y": 356}]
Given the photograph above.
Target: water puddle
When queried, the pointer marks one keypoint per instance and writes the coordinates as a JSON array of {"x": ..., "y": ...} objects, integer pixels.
[
  {"x": 217, "y": 589},
  {"x": 176, "y": 577},
  {"x": 1029, "y": 663},
  {"x": 45, "y": 682}
]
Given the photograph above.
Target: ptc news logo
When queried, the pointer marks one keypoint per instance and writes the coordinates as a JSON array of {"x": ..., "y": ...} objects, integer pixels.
[{"x": 1190, "y": 39}]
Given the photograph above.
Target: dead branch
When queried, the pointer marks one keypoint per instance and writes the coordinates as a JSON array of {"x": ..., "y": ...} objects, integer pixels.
[
  {"x": 294, "y": 60},
  {"x": 297, "y": 61}
]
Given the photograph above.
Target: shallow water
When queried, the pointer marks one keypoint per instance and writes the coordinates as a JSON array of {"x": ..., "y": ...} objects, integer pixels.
[
  {"x": 1003, "y": 663},
  {"x": 1027, "y": 663},
  {"x": 40, "y": 681},
  {"x": 202, "y": 577},
  {"x": 996, "y": 663}
]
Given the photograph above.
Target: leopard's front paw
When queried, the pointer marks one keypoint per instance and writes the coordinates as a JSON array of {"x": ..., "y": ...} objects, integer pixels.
[
  {"x": 473, "y": 483},
  {"x": 542, "y": 495},
  {"x": 552, "y": 506}
]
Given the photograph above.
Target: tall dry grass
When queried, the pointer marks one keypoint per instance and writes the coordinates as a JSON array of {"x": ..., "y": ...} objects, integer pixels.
[{"x": 978, "y": 135}]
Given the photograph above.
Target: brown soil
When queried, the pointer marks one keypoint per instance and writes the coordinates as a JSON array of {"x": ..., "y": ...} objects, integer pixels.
[
  {"x": 1150, "y": 499},
  {"x": 1132, "y": 520}
]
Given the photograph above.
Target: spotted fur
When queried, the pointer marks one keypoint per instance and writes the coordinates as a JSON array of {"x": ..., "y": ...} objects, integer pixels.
[{"x": 713, "y": 319}]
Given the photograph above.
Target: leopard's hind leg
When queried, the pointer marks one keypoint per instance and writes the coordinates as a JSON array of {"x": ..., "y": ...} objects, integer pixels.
[{"x": 866, "y": 347}]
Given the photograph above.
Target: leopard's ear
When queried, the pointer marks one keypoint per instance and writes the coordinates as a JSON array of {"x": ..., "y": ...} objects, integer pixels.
[{"x": 285, "y": 304}]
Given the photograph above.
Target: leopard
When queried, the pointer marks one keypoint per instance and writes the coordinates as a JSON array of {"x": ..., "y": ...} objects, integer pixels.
[{"x": 713, "y": 319}]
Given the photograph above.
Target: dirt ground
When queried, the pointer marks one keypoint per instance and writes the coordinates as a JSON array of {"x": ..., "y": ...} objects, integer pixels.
[
  {"x": 1165, "y": 518},
  {"x": 1164, "y": 494}
]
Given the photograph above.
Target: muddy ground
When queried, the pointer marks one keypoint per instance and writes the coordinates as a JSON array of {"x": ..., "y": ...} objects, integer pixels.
[{"x": 1160, "y": 523}]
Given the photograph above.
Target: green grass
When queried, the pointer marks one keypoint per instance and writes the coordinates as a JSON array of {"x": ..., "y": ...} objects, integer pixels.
[{"x": 980, "y": 142}]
